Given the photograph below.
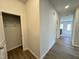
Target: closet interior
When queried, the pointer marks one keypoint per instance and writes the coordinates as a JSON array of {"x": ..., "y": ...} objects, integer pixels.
[{"x": 12, "y": 29}]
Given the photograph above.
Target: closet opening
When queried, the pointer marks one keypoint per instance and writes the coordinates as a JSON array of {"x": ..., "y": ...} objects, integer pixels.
[{"x": 12, "y": 30}]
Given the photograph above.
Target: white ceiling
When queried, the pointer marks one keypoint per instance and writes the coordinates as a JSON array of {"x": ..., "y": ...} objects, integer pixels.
[{"x": 60, "y": 6}]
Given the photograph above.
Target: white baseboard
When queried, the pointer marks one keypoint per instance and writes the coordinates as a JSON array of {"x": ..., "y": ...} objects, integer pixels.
[
  {"x": 14, "y": 47},
  {"x": 75, "y": 45},
  {"x": 58, "y": 37},
  {"x": 47, "y": 50},
  {"x": 33, "y": 53},
  {"x": 25, "y": 49}
]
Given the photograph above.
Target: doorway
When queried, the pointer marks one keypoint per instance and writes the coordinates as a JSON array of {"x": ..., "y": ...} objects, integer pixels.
[
  {"x": 12, "y": 29},
  {"x": 66, "y": 25}
]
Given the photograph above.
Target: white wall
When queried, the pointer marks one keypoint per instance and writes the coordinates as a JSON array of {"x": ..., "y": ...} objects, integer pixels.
[
  {"x": 32, "y": 8},
  {"x": 58, "y": 28},
  {"x": 67, "y": 18},
  {"x": 17, "y": 8},
  {"x": 39, "y": 21},
  {"x": 75, "y": 41},
  {"x": 48, "y": 26}
]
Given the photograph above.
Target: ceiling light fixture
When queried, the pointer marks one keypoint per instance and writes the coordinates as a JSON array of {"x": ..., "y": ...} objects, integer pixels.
[{"x": 67, "y": 6}]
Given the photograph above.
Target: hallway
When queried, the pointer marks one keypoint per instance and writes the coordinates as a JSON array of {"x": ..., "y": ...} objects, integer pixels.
[{"x": 63, "y": 50}]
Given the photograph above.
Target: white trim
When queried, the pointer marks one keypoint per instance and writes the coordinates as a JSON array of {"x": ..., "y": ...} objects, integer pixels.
[
  {"x": 10, "y": 12},
  {"x": 14, "y": 47},
  {"x": 73, "y": 31},
  {"x": 33, "y": 53},
  {"x": 75, "y": 45},
  {"x": 24, "y": 49},
  {"x": 58, "y": 37},
  {"x": 47, "y": 50},
  {"x": 3, "y": 27}
]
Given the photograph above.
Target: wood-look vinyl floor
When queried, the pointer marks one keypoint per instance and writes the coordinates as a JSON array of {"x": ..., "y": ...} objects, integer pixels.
[
  {"x": 63, "y": 50},
  {"x": 19, "y": 54}
]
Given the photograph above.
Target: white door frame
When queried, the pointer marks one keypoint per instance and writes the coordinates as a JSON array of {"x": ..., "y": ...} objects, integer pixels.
[
  {"x": 2, "y": 38},
  {"x": 2, "y": 34}
]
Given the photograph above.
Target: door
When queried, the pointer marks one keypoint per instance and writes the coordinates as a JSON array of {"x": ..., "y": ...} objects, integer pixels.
[{"x": 3, "y": 50}]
